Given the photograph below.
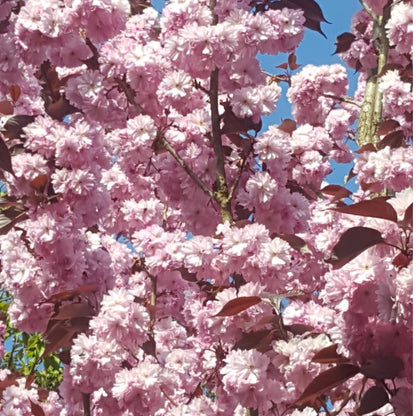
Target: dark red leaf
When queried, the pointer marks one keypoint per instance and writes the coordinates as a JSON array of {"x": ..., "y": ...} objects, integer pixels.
[
  {"x": 149, "y": 347},
  {"x": 65, "y": 356},
  {"x": 56, "y": 337},
  {"x": 401, "y": 260},
  {"x": 361, "y": 27},
  {"x": 283, "y": 66},
  {"x": 408, "y": 215},
  {"x": 352, "y": 243},
  {"x": 382, "y": 368},
  {"x": 250, "y": 340},
  {"x": 343, "y": 42},
  {"x": 9, "y": 380},
  {"x": 369, "y": 147},
  {"x": 79, "y": 324},
  {"x": 394, "y": 140},
  {"x": 235, "y": 306},
  {"x": 70, "y": 294},
  {"x": 288, "y": 125},
  {"x": 233, "y": 124},
  {"x": 5, "y": 157},
  {"x": 187, "y": 275},
  {"x": 336, "y": 191},
  {"x": 39, "y": 182},
  {"x": 387, "y": 126},
  {"x": 6, "y": 108},
  {"x": 15, "y": 92},
  {"x": 374, "y": 398},
  {"x": 374, "y": 208},
  {"x": 299, "y": 329},
  {"x": 74, "y": 310},
  {"x": 292, "y": 62},
  {"x": 326, "y": 381},
  {"x": 10, "y": 217},
  {"x": 350, "y": 175},
  {"x": 297, "y": 243},
  {"x": 329, "y": 355},
  {"x": 36, "y": 409}
]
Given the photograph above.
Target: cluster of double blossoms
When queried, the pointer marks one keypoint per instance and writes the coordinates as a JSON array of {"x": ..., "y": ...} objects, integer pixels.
[{"x": 112, "y": 178}]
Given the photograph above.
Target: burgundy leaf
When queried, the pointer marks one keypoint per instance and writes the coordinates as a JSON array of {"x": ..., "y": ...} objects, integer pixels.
[
  {"x": 6, "y": 108},
  {"x": 326, "y": 381},
  {"x": 374, "y": 208},
  {"x": 408, "y": 215},
  {"x": 369, "y": 147},
  {"x": 5, "y": 157},
  {"x": 15, "y": 92},
  {"x": 299, "y": 329},
  {"x": 343, "y": 42},
  {"x": 336, "y": 191},
  {"x": 382, "y": 368},
  {"x": 235, "y": 306},
  {"x": 74, "y": 310},
  {"x": 297, "y": 243},
  {"x": 394, "y": 140},
  {"x": 250, "y": 340},
  {"x": 352, "y": 243},
  {"x": 329, "y": 355},
  {"x": 374, "y": 398},
  {"x": 288, "y": 125},
  {"x": 387, "y": 126},
  {"x": 292, "y": 62},
  {"x": 36, "y": 409}
]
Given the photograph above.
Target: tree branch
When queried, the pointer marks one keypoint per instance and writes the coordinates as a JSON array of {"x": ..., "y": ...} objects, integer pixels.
[
  {"x": 164, "y": 142},
  {"x": 343, "y": 99}
]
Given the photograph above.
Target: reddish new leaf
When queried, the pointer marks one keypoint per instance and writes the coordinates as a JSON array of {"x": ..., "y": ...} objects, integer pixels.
[
  {"x": 292, "y": 62},
  {"x": 369, "y": 147},
  {"x": 288, "y": 126},
  {"x": 39, "y": 182},
  {"x": 235, "y": 306},
  {"x": 6, "y": 108},
  {"x": 382, "y": 368},
  {"x": 74, "y": 310},
  {"x": 5, "y": 157},
  {"x": 387, "y": 126},
  {"x": 343, "y": 42},
  {"x": 326, "y": 381},
  {"x": 250, "y": 340},
  {"x": 394, "y": 140},
  {"x": 336, "y": 191},
  {"x": 56, "y": 337},
  {"x": 329, "y": 355},
  {"x": 70, "y": 294},
  {"x": 15, "y": 92},
  {"x": 374, "y": 208},
  {"x": 408, "y": 215},
  {"x": 352, "y": 243},
  {"x": 374, "y": 398},
  {"x": 36, "y": 409},
  {"x": 299, "y": 329}
]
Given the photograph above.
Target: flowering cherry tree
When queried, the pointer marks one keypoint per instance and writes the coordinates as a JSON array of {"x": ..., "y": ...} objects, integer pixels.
[{"x": 160, "y": 255}]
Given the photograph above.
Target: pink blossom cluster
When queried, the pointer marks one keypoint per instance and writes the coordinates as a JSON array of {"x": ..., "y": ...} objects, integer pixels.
[{"x": 122, "y": 208}]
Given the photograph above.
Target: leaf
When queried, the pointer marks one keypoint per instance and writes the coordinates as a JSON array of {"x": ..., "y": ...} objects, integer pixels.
[
  {"x": 387, "y": 126},
  {"x": 288, "y": 126},
  {"x": 9, "y": 380},
  {"x": 408, "y": 215},
  {"x": 5, "y": 157},
  {"x": 343, "y": 42},
  {"x": 235, "y": 306},
  {"x": 187, "y": 275},
  {"x": 382, "y": 368},
  {"x": 297, "y": 243},
  {"x": 6, "y": 108},
  {"x": 329, "y": 355},
  {"x": 326, "y": 381},
  {"x": 394, "y": 140},
  {"x": 13, "y": 128},
  {"x": 39, "y": 182},
  {"x": 374, "y": 398},
  {"x": 149, "y": 347},
  {"x": 292, "y": 62},
  {"x": 74, "y": 310},
  {"x": 234, "y": 124},
  {"x": 374, "y": 208},
  {"x": 15, "y": 92},
  {"x": 299, "y": 329},
  {"x": 369, "y": 147},
  {"x": 70, "y": 294},
  {"x": 352, "y": 243},
  {"x": 250, "y": 340},
  {"x": 336, "y": 191},
  {"x": 36, "y": 409},
  {"x": 56, "y": 337}
]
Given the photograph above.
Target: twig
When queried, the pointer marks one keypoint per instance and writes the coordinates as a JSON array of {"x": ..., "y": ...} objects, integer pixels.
[
  {"x": 344, "y": 99},
  {"x": 164, "y": 142},
  {"x": 129, "y": 93},
  {"x": 86, "y": 404}
]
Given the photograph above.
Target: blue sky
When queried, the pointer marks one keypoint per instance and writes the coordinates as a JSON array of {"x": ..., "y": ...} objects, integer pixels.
[{"x": 317, "y": 50}]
